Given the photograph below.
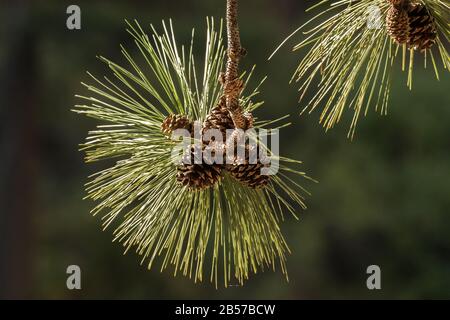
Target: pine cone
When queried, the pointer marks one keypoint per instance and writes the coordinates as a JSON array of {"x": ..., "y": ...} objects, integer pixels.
[
  {"x": 249, "y": 174},
  {"x": 197, "y": 176},
  {"x": 219, "y": 118},
  {"x": 174, "y": 122},
  {"x": 397, "y": 24},
  {"x": 422, "y": 28}
]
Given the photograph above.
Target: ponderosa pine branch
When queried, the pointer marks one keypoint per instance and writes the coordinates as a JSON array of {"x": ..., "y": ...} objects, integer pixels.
[
  {"x": 351, "y": 63},
  {"x": 233, "y": 85},
  {"x": 225, "y": 232}
]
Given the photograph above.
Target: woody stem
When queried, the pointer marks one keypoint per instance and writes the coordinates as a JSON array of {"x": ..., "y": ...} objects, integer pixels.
[{"x": 233, "y": 85}]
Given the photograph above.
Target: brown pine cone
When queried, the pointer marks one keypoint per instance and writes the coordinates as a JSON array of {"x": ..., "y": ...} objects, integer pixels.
[
  {"x": 422, "y": 27},
  {"x": 397, "y": 24},
  {"x": 219, "y": 118},
  {"x": 197, "y": 176},
  {"x": 174, "y": 122},
  {"x": 249, "y": 174}
]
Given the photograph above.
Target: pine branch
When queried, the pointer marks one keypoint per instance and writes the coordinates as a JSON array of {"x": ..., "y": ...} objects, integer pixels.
[
  {"x": 233, "y": 85},
  {"x": 352, "y": 66},
  {"x": 235, "y": 227}
]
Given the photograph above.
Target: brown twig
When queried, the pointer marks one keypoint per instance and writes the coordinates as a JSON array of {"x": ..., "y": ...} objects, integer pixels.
[{"x": 233, "y": 85}]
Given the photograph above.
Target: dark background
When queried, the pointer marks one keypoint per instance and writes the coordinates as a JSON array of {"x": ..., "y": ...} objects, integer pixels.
[{"x": 382, "y": 199}]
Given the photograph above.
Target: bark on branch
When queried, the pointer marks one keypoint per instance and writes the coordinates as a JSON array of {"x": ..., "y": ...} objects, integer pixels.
[{"x": 233, "y": 85}]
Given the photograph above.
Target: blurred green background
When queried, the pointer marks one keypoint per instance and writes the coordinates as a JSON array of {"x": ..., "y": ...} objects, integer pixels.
[{"x": 382, "y": 199}]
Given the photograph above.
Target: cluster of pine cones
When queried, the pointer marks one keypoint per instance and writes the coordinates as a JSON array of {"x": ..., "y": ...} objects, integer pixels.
[
  {"x": 410, "y": 23},
  {"x": 201, "y": 176}
]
